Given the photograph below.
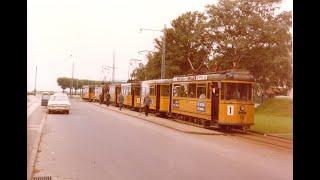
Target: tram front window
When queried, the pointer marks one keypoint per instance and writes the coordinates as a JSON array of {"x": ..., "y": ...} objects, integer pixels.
[{"x": 236, "y": 91}]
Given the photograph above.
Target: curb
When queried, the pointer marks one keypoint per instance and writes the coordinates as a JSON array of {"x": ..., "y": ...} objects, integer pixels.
[
  {"x": 145, "y": 119},
  {"x": 274, "y": 136},
  {"x": 34, "y": 153}
]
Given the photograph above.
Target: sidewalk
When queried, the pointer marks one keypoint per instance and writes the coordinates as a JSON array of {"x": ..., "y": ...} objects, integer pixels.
[
  {"x": 162, "y": 121},
  {"x": 36, "y": 116}
]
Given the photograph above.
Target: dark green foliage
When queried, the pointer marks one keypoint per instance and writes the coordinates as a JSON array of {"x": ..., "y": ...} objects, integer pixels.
[{"x": 245, "y": 34}]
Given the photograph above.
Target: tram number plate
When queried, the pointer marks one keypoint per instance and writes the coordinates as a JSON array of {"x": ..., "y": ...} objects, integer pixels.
[
  {"x": 138, "y": 100},
  {"x": 230, "y": 110},
  {"x": 201, "y": 106}
]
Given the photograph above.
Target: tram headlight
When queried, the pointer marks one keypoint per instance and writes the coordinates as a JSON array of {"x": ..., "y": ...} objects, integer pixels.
[{"x": 242, "y": 108}]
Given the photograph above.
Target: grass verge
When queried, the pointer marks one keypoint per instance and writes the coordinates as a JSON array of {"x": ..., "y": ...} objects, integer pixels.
[{"x": 274, "y": 117}]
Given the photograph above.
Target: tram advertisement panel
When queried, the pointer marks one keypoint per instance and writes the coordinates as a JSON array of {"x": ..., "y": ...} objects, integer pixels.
[
  {"x": 175, "y": 104},
  {"x": 201, "y": 106}
]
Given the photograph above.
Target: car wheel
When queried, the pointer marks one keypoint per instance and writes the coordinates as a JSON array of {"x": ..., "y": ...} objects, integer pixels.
[
  {"x": 67, "y": 112},
  {"x": 49, "y": 112}
]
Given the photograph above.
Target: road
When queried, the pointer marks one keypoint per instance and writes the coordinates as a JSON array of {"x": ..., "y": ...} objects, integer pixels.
[{"x": 96, "y": 143}]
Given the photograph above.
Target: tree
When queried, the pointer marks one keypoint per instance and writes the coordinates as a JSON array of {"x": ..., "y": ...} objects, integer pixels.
[
  {"x": 248, "y": 34},
  {"x": 241, "y": 34},
  {"x": 63, "y": 82},
  {"x": 187, "y": 48},
  {"x": 190, "y": 42}
]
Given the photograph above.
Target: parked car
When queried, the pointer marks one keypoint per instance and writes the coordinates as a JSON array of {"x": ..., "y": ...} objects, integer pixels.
[
  {"x": 59, "y": 103},
  {"x": 44, "y": 100}
]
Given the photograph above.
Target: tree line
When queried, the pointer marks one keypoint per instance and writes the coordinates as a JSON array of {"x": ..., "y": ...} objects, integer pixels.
[
  {"x": 75, "y": 84},
  {"x": 232, "y": 34}
]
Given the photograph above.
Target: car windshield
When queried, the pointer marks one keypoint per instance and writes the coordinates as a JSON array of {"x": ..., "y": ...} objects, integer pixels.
[
  {"x": 59, "y": 98},
  {"x": 45, "y": 97}
]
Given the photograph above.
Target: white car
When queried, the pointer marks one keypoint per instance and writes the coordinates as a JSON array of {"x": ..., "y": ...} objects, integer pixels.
[{"x": 59, "y": 103}]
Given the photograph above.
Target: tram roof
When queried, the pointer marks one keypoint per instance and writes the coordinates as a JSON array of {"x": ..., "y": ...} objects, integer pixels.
[
  {"x": 240, "y": 75},
  {"x": 130, "y": 83}
]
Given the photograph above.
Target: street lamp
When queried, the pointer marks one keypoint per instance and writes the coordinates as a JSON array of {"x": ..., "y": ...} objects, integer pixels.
[
  {"x": 139, "y": 52},
  {"x": 71, "y": 83},
  {"x": 72, "y": 74},
  {"x": 163, "y": 60},
  {"x": 130, "y": 63}
]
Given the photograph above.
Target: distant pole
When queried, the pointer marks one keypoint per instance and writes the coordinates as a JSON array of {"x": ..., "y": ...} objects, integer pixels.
[
  {"x": 35, "y": 82},
  {"x": 113, "y": 67},
  {"x": 163, "y": 59},
  {"x": 72, "y": 76}
]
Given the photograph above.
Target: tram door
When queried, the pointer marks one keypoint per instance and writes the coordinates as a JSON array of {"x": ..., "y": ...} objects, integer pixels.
[
  {"x": 118, "y": 91},
  {"x": 133, "y": 90},
  {"x": 214, "y": 101},
  {"x": 158, "y": 98}
]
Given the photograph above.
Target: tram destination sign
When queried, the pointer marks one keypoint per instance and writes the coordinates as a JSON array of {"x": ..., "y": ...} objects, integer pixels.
[{"x": 191, "y": 78}]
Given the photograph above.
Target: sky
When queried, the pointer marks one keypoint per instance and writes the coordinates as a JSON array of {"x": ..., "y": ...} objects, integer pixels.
[{"x": 87, "y": 32}]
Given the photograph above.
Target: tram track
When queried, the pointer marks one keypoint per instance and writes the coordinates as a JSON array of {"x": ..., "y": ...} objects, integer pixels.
[
  {"x": 249, "y": 135},
  {"x": 286, "y": 144}
]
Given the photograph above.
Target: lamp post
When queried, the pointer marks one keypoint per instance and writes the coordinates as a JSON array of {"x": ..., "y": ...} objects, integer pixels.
[
  {"x": 139, "y": 52},
  {"x": 71, "y": 83},
  {"x": 163, "y": 60},
  {"x": 35, "y": 82}
]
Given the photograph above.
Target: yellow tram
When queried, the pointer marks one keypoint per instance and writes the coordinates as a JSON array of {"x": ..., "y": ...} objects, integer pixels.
[
  {"x": 223, "y": 99},
  {"x": 159, "y": 93},
  {"x": 131, "y": 94},
  {"x": 97, "y": 92},
  {"x": 88, "y": 93},
  {"x": 114, "y": 91}
]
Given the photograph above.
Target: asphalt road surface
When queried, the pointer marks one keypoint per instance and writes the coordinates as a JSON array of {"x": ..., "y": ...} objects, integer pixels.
[{"x": 96, "y": 143}]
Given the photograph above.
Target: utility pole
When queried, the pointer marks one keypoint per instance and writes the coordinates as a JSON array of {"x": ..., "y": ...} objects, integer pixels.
[
  {"x": 163, "y": 59},
  {"x": 77, "y": 85},
  {"x": 35, "y": 82}
]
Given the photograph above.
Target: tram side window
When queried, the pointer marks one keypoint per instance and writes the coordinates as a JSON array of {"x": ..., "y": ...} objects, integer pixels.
[
  {"x": 165, "y": 90},
  {"x": 201, "y": 91},
  {"x": 192, "y": 90},
  {"x": 152, "y": 91},
  {"x": 176, "y": 89},
  {"x": 123, "y": 91},
  {"x": 129, "y": 90},
  {"x": 183, "y": 90}
]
